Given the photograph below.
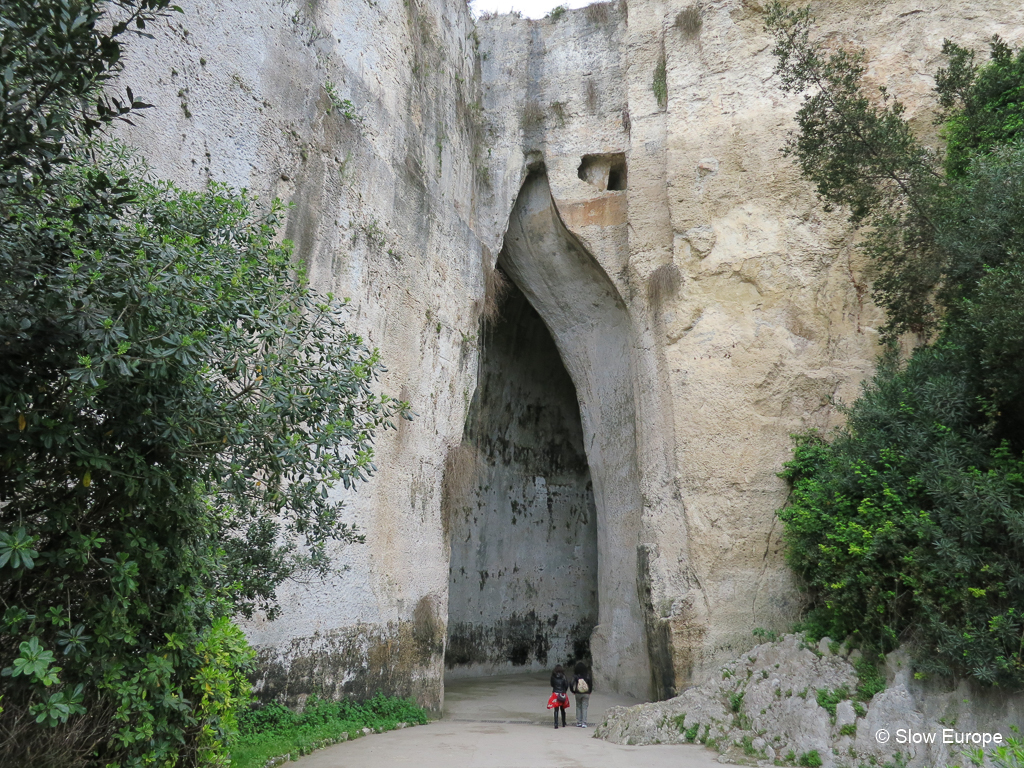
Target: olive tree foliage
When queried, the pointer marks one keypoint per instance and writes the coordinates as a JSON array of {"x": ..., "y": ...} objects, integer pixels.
[
  {"x": 176, "y": 406},
  {"x": 907, "y": 524},
  {"x": 862, "y": 157},
  {"x": 854, "y": 144}
]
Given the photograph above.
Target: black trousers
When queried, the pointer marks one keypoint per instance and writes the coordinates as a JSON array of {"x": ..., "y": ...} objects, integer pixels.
[{"x": 557, "y": 710}]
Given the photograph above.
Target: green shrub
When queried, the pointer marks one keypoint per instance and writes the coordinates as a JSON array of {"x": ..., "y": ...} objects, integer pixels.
[
  {"x": 736, "y": 700},
  {"x": 765, "y": 635},
  {"x": 175, "y": 404},
  {"x": 747, "y": 743},
  {"x": 691, "y": 733},
  {"x": 908, "y": 523},
  {"x": 810, "y": 759},
  {"x": 872, "y": 681},
  {"x": 828, "y": 700},
  {"x": 984, "y": 104}
]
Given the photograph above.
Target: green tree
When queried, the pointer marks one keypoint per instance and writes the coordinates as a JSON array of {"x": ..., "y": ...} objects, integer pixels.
[
  {"x": 862, "y": 157},
  {"x": 176, "y": 404},
  {"x": 55, "y": 60},
  {"x": 982, "y": 106},
  {"x": 908, "y": 524}
]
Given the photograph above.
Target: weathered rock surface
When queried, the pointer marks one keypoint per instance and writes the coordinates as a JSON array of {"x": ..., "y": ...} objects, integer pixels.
[
  {"x": 722, "y": 312},
  {"x": 386, "y": 210},
  {"x": 788, "y": 700},
  {"x": 748, "y": 308},
  {"x": 522, "y": 591}
]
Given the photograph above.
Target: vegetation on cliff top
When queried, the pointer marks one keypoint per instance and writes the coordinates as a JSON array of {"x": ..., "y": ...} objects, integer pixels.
[
  {"x": 175, "y": 405},
  {"x": 908, "y": 524}
]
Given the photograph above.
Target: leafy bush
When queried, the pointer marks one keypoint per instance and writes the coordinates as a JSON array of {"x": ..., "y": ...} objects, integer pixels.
[
  {"x": 557, "y": 12},
  {"x": 736, "y": 700},
  {"x": 175, "y": 405},
  {"x": 829, "y": 699},
  {"x": 984, "y": 106},
  {"x": 765, "y": 635},
  {"x": 908, "y": 524},
  {"x": 871, "y": 682}
]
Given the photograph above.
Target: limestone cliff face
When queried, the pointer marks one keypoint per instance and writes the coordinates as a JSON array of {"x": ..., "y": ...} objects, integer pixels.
[
  {"x": 747, "y": 307},
  {"x": 625, "y": 169},
  {"x": 386, "y": 209}
]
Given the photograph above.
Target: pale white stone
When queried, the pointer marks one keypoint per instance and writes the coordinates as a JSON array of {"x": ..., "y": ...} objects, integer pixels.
[{"x": 762, "y": 322}]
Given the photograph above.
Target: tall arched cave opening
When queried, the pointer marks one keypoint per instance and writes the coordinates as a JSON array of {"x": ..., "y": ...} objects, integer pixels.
[
  {"x": 523, "y": 531},
  {"x": 564, "y": 339}
]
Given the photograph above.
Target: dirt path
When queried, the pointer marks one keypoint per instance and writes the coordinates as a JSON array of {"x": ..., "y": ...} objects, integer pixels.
[{"x": 501, "y": 722}]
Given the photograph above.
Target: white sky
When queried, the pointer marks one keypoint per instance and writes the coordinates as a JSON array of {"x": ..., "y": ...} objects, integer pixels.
[{"x": 531, "y": 9}]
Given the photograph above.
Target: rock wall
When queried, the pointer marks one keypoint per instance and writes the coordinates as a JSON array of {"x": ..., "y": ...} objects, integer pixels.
[
  {"x": 386, "y": 210},
  {"x": 702, "y": 304},
  {"x": 783, "y": 702},
  {"x": 522, "y": 591},
  {"x": 748, "y": 311}
]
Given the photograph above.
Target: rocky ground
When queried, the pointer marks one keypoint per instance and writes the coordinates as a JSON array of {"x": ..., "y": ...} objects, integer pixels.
[{"x": 790, "y": 702}]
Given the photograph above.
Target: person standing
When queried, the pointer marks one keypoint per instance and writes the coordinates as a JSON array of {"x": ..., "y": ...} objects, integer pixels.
[
  {"x": 559, "y": 693},
  {"x": 582, "y": 685}
]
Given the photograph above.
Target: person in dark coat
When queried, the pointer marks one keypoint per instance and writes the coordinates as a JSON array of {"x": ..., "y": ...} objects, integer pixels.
[
  {"x": 582, "y": 685},
  {"x": 559, "y": 693}
]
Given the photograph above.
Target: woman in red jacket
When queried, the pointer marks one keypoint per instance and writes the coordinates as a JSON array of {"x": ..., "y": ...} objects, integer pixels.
[{"x": 559, "y": 694}]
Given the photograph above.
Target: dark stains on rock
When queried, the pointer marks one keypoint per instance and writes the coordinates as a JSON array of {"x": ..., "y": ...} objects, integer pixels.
[
  {"x": 659, "y": 630},
  {"x": 401, "y": 658},
  {"x": 523, "y": 575},
  {"x": 519, "y": 640}
]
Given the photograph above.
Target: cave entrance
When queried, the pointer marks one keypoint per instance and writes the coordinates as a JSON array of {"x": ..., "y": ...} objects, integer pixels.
[
  {"x": 522, "y": 591},
  {"x": 561, "y": 283}
]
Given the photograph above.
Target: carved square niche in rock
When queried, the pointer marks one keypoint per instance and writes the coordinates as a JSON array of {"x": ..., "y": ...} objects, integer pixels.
[{"x": 607, "y": 172}]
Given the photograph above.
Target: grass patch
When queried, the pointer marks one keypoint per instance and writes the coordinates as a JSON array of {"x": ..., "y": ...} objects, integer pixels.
[
  {"x": 828, "y": 700},
  {"x": 689, "y": 22},
  {"x": 810, "y": 759},
  {"x": 747, "y": 743},
  {"x": 871, "y": 680},
  {"x": 765, "y": 635},
  {"x": 274, "y": 729}
]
